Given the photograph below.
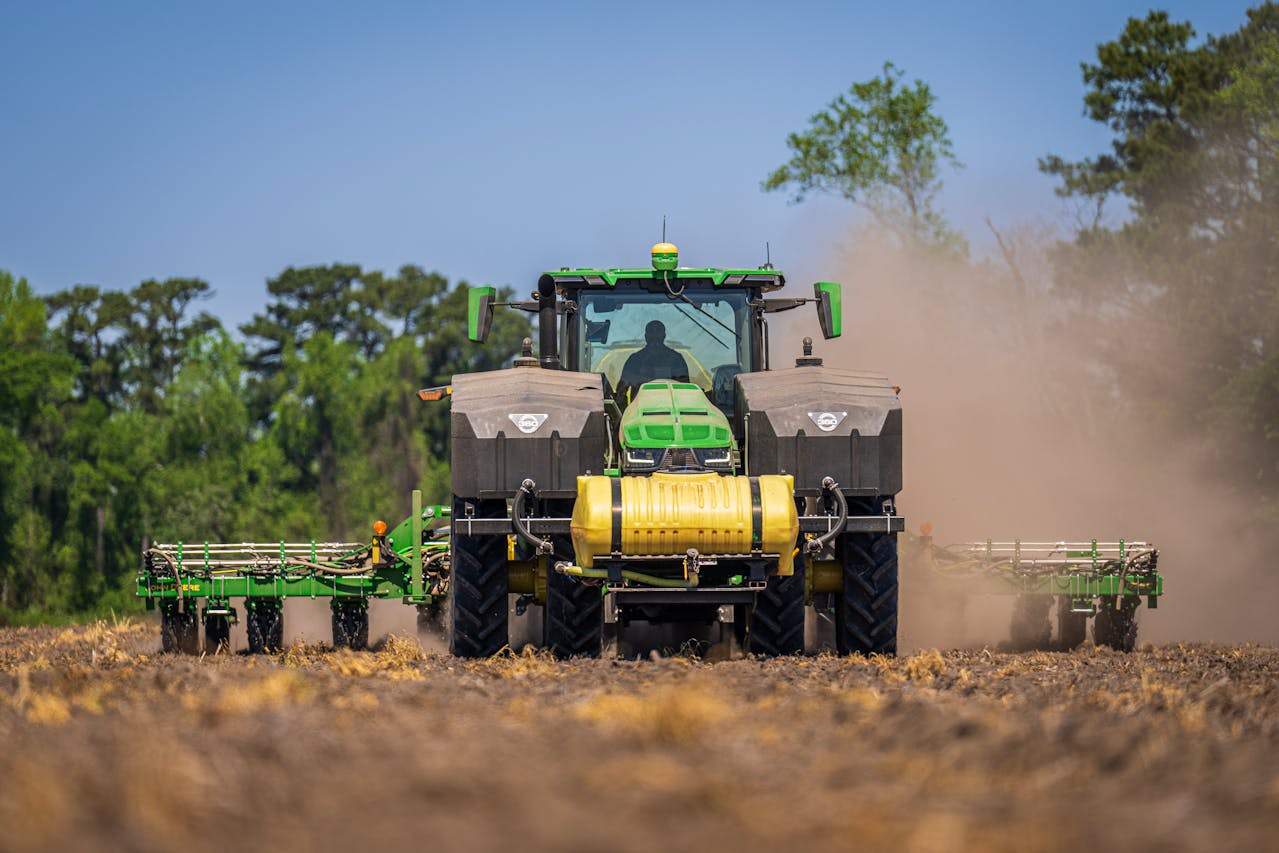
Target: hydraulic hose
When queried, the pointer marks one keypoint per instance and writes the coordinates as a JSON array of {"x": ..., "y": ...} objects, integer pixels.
[
  {"x": 543, "y": 546},
  {"x": 173, "y": 566},
  {"x": 638, "y": 577},
  {"x": 830, "y": 487}
]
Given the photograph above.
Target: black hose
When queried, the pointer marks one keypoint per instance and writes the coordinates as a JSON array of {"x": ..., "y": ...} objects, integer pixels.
[
  {"x": 173, "y": 566},
  {"x": 543, "y": 546},
  {"x": 831, "y": 488}
]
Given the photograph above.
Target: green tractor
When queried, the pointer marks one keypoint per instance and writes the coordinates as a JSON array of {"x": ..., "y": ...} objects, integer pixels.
[{"x": 650, "y": 465}]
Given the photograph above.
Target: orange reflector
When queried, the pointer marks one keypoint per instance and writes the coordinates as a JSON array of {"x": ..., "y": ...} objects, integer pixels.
[
  {"x": 437, "y": 393},
  {"x": 926, "y": 529},
  {"x": 379, "y": 528}
]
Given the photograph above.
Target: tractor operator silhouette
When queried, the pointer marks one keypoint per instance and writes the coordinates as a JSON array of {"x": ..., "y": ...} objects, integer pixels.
[{"x": 655, "y": 361}]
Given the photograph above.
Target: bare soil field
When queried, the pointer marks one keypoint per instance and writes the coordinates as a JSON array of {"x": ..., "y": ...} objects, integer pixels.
[{"x": 106, "y": 744}]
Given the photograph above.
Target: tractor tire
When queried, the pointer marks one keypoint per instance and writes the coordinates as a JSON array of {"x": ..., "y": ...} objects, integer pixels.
[
  {"x": 573, "y": 619},
  {"x": 350, "y": 623},
  {"x": 866, "y": 612},
  {"x": 776, "y": 625},
  {"x": 478, "y": 590},
  {"x": 1116, "y": 623},
  {"x": 265, "y": 625},
  {"x": 1031, "y": 630},
  {"x": 217, "y": 634},
  {"x": 180, "y": 630},
  {"x": 1072, "y": 627}
]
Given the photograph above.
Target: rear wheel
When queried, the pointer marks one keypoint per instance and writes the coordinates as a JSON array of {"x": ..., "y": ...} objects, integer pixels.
[
  {"x": 180, "y": 629},
  {"x": 1072, "y": 625},
  {"x": 1116, "y": 623},
  {"x": 1031, "y": 629},
  {"x": 777, "y": 621},
  {"x": 479, "y": 586},
  {"x": 350, "y": 623},
  {"x": 265, "y": 628},
  {"x": 866, "y": 612}
]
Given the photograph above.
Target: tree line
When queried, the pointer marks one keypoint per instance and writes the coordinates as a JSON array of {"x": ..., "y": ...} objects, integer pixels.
[
  {"x": 133, "y": 415},
  {"x": 1171, "y": 267},
  {"x": 126, "y": 415}
]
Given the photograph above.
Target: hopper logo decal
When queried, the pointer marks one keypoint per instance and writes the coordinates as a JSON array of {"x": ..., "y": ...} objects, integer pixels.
[
  {"x": 827, "y": 421},
  {"x": 527, "y": 422}
]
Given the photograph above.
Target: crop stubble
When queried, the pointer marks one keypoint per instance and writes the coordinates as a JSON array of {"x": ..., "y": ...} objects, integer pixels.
[{"x": 104, "y": 743}]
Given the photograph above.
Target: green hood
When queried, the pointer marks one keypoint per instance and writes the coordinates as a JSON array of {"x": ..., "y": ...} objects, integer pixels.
[{"x": 673, "y": 414}]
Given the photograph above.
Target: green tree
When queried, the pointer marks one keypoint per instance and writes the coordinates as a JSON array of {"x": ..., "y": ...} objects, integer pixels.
[
  {"x": 882, "y": 146},
  {"x": 1189, "y": 278},
  {"x": 35, "y": 381}
]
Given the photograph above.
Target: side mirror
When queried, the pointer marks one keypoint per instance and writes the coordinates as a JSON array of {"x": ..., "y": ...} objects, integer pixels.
[
  {"x": 479, "y": 312},
  {"x": 830, "y": 308}
]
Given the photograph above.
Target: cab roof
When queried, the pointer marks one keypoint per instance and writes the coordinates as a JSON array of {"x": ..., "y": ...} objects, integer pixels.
[{"x": 762, "y": 277}]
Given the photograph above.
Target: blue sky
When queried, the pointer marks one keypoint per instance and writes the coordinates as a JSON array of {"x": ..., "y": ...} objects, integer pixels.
[{"x": 490, "y": 141}]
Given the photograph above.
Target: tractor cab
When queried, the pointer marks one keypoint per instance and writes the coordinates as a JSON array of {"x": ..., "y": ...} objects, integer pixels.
[{"x": 668, "y": 343}]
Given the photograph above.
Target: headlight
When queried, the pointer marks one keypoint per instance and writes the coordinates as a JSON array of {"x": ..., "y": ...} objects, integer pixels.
[
  {"x": 716, "y": 458},
  {"x": 641, "y": 458}
]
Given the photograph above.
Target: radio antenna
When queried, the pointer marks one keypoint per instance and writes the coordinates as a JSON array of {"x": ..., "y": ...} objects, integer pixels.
[
  {"x": 768, "y": 257},
  {"x": 663, "y": 227}
]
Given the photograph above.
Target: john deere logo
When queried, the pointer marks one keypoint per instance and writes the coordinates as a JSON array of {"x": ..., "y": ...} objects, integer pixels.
[
  {"x": 827, "y": 421},
  {"x": 527, "y": 422}
]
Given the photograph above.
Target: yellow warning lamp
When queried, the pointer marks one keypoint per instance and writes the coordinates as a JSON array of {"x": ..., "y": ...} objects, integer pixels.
[{"x": 665, "y": 257}]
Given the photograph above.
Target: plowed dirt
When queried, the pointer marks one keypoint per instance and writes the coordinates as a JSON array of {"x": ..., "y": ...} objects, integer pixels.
[{"x": 106, "y": 744}]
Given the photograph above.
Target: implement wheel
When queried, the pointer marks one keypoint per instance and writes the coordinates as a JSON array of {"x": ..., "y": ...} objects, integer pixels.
[
  {"x": 179, "y": 628},
  {"x": 1072, "y": 626},
  {"x": 1031, "y": 629},
  {"x": 478, "y": 608},
  {"x": 866, "y": 612},
  {"x": 265, "y": 624},
  {"x": 776, "y": 625},
  {"x": 350, "y": 623},
  {"x": 217, "y": 634},
  {"x": 1116, "y": 623}
]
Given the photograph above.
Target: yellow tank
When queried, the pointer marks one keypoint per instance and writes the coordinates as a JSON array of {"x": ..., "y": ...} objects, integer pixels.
[{"x": 670, "y": 513}]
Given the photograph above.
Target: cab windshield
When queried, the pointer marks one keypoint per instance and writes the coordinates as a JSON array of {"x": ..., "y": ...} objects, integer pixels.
[{"x": 635, "y": 336}]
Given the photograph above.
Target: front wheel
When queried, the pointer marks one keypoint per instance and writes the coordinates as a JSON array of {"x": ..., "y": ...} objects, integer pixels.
[
  {"x": 573, "y": 623},
  {"x": 478, "y": 608},
  {"x": 866, "y": 611},
  {"x": 776, "y": 625}
]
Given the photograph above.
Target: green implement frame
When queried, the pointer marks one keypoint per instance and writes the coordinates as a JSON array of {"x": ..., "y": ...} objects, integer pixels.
[
  {"x": 1084, "y": 569},
  {"x": 409, "y": 563},
  {"x": 1105, "y": 581}
]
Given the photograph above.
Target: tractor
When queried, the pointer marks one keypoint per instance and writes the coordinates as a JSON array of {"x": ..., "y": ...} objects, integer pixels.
[{"x": 652, "y": 464}]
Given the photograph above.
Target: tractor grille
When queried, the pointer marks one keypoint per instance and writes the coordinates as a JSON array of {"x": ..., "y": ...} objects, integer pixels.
[{"x": 679, "y": 459}]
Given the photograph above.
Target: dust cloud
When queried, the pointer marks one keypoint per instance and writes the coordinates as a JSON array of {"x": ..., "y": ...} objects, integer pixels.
[{"x": 1011, "y": 431}]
